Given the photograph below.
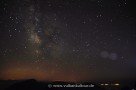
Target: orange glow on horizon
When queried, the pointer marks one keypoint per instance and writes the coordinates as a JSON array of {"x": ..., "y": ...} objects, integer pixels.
[{"x": 22, "y": 71}]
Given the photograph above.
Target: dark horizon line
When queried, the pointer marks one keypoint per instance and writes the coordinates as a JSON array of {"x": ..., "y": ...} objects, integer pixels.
[{"x": 80, "y": 81}]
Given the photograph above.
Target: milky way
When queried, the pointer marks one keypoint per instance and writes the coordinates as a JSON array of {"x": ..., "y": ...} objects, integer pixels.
[{"x": 67, "y": 40}]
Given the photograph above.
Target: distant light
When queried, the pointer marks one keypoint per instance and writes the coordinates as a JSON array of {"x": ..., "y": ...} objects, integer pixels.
[
  {"x": 102, "y": 84},
  {"x": 117, "y": 84},
  {"x": 106, "y": 84}
]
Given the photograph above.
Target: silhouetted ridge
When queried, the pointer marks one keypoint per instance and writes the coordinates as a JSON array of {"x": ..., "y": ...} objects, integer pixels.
[{"x": 30, "y": 84}]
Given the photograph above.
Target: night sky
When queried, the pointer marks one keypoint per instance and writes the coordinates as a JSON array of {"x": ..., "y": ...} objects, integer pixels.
[{"x": 67, "y": 40}]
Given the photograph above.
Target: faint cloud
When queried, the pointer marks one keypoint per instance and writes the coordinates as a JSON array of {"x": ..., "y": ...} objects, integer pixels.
[
  {"x": 106, "y": 54},
  {"x": 113, "y": 56}
]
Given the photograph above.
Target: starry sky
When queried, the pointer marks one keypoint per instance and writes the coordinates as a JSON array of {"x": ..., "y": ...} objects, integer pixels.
[{"x": 67, "y": 40}]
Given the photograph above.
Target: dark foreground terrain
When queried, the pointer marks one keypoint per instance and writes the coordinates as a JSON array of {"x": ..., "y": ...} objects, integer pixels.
[{"x": 32, "y": 84}]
